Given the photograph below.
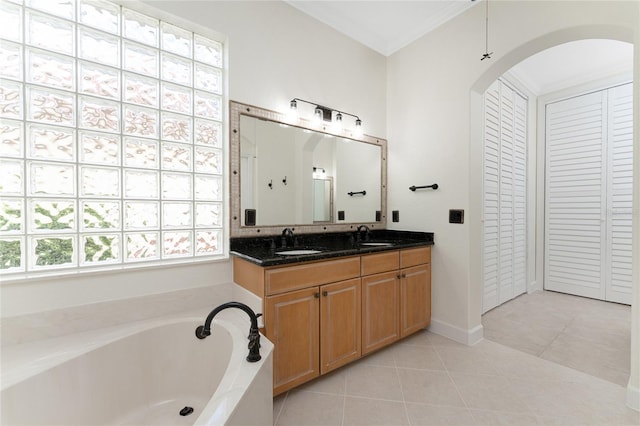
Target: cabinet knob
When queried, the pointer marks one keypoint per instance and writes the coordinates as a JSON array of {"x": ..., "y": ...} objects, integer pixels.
[
  {"x": 316, "y": 295},
  {"x": 398, "y": 276},
  {"x": 325, "y": 293}
]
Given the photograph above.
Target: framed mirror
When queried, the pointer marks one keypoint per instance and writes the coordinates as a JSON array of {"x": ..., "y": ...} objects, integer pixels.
[{"x": 290, "y": 172}]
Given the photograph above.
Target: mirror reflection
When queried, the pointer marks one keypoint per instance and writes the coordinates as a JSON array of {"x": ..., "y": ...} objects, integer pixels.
[
  {"x": 322, "y": 200},
  {"x": 298, "y": 175}
]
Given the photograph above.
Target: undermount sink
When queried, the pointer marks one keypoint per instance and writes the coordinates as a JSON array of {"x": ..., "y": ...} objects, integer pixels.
[
  {"x": 297, "y": 252},
  {"x": 377, "y": 244}
]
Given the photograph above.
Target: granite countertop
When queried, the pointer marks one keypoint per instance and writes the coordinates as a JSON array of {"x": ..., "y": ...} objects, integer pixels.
[{"x": 264, "y": 251}]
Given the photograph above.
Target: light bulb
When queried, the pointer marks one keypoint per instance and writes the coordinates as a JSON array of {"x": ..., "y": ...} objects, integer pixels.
[
  {"x": 337, "y": 124},
  {"x": 358, "y": 130},
  {"x": 292, "y": 114}
]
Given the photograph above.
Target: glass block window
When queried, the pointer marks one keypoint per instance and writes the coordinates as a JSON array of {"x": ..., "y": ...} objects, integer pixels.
[{"x": 111, "y": 147}]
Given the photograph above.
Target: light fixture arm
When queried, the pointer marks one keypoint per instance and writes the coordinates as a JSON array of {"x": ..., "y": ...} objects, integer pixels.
[
  {"x": 294, "y": 105},
  {"x": 346, "y": 113}
]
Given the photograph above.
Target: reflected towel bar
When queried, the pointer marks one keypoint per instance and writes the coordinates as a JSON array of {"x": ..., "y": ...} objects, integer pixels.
[
  {"x": 355, "y": 193},
  {"x": 413, "y": 188}
]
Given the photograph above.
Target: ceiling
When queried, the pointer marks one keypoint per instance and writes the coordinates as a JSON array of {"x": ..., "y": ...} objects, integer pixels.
[
  {"x": 387, "y": 26},
  {"x": 384, "y": 26}
]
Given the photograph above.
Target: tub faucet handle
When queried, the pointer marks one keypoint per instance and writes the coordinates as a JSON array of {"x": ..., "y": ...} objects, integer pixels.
[
  {"x": 201, "y": 333},
  {"x": 254, "y": 347}
]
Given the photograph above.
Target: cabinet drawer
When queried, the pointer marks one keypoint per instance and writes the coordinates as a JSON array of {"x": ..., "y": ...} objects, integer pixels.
[
  {"x": 380, "y": 262},
  {"x": 415, "y": 256},
  {"x": 279, "y": 280}
]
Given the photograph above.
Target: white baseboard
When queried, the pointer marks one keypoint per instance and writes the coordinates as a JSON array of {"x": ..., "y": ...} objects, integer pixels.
[
  {"x": 466, "y": 337},
  {"x": 633, "y": 397}
]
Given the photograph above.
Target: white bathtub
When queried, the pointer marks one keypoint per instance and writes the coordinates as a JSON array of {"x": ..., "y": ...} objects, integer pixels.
[{"x": 143, "y": 373}]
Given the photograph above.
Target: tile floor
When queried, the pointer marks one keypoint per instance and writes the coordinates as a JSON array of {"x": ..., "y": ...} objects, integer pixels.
[
  {"x": 427, "y": 379},
  {"x": 586, "y": 334}
]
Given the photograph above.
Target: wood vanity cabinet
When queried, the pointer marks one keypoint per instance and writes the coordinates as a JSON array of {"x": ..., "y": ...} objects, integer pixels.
[
  {"x": 380, "y": 300},
  {"x": 292, "y": 323},
  {"x": 396, "y": 296},
  {"x": 324, "y": 314},
  {"x": 314, "y": 331},
  {"x": 311, "y": 314}
]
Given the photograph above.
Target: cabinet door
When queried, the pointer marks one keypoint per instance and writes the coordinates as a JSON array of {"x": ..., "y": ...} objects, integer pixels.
[
  {"x": 292, "y": 324},
  {"x": 340, "y": 330},
  {"x": 415, "y": 299},
  {"x": 380, "y": 307}
]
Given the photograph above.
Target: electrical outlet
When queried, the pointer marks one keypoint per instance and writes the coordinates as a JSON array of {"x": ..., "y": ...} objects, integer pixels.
[
  {"x": 250, "y": 217},
  {"x": 456, "y": 216}
]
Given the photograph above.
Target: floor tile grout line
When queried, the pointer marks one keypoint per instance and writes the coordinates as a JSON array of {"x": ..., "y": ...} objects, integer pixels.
[
  {"x": 455, "y": 386},
  {"x": 344, "y": 397},
  {"x": 539, "y": 355},
  {"x": 404, "y": 401},
  {"x": 373, "y": 399},
  {"x": 286, "y": 396}
]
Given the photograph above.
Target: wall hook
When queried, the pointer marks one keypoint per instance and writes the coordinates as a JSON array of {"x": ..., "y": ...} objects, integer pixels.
[
  {"x": 284, "y": 180},
  {"x": 270, "y": 184}
]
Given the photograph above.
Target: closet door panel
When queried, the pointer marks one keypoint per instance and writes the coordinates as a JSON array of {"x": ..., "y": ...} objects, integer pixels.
[
  {"x": 520, "y": 196},
  {"x": 575, "y": 204},
  {"x": 490, "y": 213},
  {"x": 504, "y": 195},
  {"x": 620, "y": 136}
]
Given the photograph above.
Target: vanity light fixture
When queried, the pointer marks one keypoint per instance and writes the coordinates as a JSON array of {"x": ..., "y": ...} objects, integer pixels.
[{"x": 322, "y": 113}]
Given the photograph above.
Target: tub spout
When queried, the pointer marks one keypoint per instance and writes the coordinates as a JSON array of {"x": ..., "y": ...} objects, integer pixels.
[{"x": 254, "y": 334}]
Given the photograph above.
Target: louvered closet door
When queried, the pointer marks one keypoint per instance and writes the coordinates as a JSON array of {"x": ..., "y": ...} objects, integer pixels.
[
  {"x": 520, "y": 196},
  {"x": 504, "y": 195},
  {"x": 490, "y": 213},
  {"x": 575, "y": 195},
  {"x": 588, "y": 195},
  {"x": 620, "y": 137}
]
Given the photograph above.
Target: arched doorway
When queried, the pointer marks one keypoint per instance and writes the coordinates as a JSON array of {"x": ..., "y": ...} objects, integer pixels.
[{"x": 536, "y": 247}]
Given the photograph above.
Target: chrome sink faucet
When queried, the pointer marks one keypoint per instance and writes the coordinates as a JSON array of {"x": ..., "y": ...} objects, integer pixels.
[
  {"x": 359, "y": 231},
  {"x": 287, "y": 237}
]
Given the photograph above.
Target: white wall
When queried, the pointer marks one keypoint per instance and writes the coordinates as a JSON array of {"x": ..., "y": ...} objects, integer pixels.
[
  {"x": 434, "y": 88},
  {"x": 276, "y": 53}
]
